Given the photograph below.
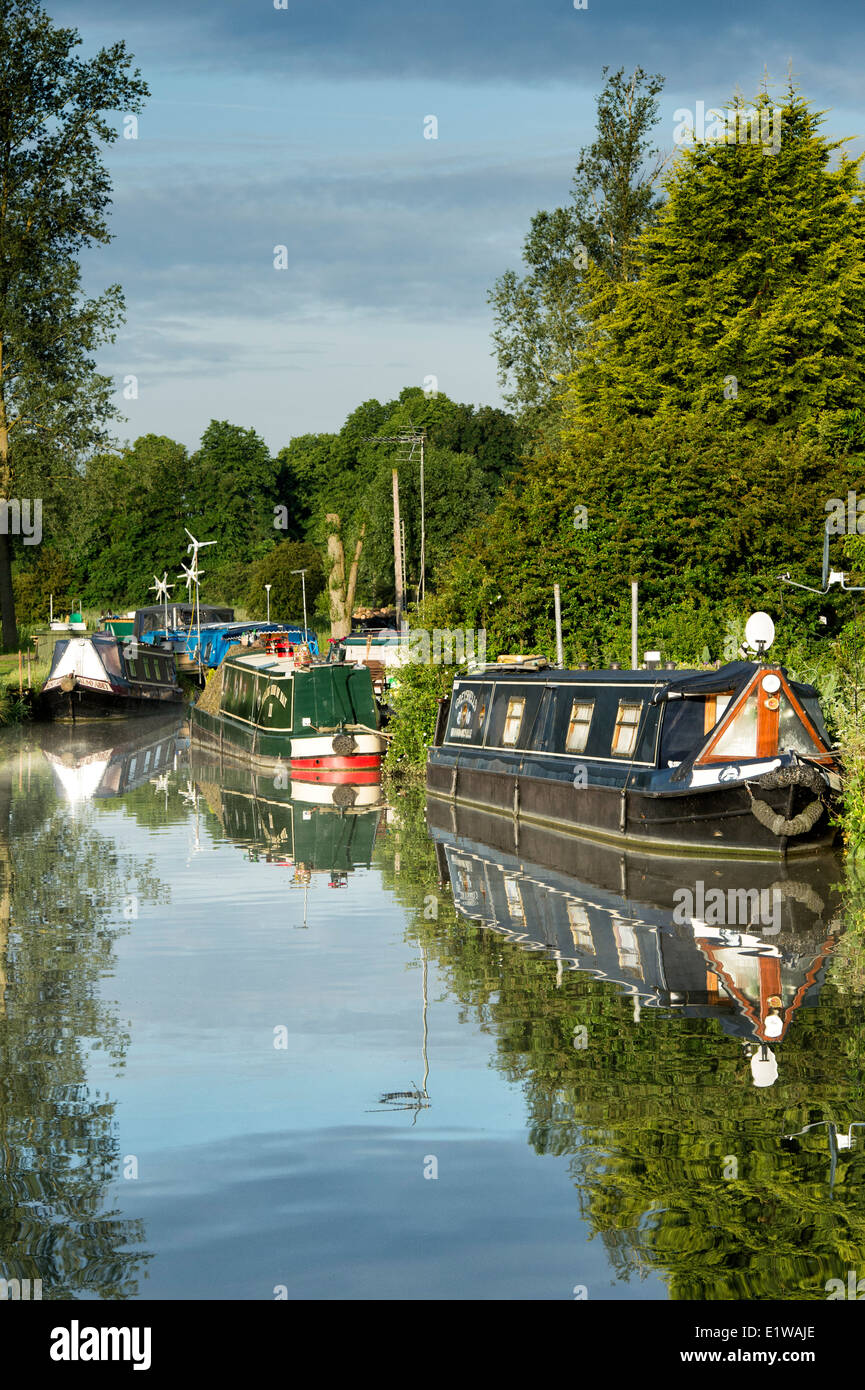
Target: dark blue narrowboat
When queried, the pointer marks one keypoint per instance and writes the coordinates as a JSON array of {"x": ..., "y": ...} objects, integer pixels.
[{"x": 733, "y": 760}]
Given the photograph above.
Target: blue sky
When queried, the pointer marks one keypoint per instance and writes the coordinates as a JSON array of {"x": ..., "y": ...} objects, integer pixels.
[{"x": 304, "y": 127}]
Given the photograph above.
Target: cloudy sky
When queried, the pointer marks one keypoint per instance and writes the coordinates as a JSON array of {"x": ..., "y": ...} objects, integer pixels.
[{"x": 300, "y": 123}]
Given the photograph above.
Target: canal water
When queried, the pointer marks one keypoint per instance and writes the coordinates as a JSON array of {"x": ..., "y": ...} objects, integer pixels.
[{"x": 255, "y": 1046}]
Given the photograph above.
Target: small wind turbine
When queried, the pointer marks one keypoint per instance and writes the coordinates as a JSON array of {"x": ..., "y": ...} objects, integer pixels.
[
  {"x": 162, "y": 588},
  {"x": 194, "y": 577}
]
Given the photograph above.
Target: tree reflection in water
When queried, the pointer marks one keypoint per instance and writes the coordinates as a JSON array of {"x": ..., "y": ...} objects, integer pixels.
[
  {"x": 63, "y": 886},
  {"x": 679, "y": 1160}
]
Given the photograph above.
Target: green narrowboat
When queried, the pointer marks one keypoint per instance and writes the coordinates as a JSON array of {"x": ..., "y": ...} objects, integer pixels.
[{"x": 317, "y": 721}]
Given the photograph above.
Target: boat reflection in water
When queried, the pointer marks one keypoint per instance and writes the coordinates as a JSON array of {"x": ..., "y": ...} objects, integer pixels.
[
  {"x": 111, "y": 759},
  {"x": 743, "y": 942},
  {"x": 310, "y": 828}
]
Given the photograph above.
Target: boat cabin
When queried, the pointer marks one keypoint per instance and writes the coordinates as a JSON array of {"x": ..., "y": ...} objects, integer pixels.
[
  {"x": 637, "y": 718},
  {"x": 735, "y": 758}
]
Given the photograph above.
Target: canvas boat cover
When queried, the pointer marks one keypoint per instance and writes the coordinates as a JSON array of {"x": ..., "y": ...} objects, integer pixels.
[{"x": 735, "y": 676}]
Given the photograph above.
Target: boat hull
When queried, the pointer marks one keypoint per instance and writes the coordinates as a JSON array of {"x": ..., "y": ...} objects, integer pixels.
[
  {"x": 83, "y": 703},
  {"x": 717, "y": 820}
]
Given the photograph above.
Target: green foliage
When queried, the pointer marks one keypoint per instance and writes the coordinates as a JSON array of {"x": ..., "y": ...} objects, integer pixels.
[
  {"x": 232, "y": 495},
  {"x": 50, "y": 575},
  {"x": 754, "y": 272},
  {"x": 414, "y": 698},
  {"x": 286, "y": 595},
  {"x": 128, "y": 523},
  {"x": 469, "y": 454},
  {"x": 539, "y": 319},
  {"x": 54, "y": 197}
]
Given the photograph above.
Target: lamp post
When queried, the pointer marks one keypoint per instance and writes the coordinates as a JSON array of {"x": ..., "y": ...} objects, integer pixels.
[
  {"x": 302, "y": 574},
  {"x": 268, "y": 587}
]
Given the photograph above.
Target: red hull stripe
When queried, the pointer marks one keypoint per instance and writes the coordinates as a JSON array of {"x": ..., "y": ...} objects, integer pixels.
[
  {"x": 332, "y": 763},
  {"x": 332, "y": 775}
]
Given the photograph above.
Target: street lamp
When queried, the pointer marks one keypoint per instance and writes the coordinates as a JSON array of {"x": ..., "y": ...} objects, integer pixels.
[
  {"x": 268, "y": 587},
  {"x": 302, "y": 574}
]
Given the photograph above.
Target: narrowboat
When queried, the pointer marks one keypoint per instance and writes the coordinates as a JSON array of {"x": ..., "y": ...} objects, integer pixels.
[
  {"x": 181, "y": 617},
  {"x": 102, "y": 677},
  {"x": 645, "y": 927},
  {"x": 733, "y": 760},
  {"x": 301, "y": 717}
]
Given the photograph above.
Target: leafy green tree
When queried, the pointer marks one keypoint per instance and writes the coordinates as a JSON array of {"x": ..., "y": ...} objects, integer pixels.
[
  {"x": 539, "y": 317},
  {"x": 129, "y": 522},
  {"x": 54, "y": 196},
  {"x": 469, "y": 454},
  {"x": 747, "y": 298},
  {"x": 700, "y": 471},
  {"x": 232, "y": 496},
  {"x": 286, "y": 596}
]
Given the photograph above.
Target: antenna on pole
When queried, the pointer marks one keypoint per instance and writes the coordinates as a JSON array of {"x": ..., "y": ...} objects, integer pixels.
[
  {"x": 829, "y": 577},
  {"x": 412, "y": 444}
]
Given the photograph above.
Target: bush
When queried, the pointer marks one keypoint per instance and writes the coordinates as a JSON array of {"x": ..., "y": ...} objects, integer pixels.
[{"x": 414, "y": 698}]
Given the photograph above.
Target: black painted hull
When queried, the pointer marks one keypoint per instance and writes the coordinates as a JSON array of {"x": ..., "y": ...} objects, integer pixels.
[
  {"x": 715, "y": 821},
  {"x": 81, "y": 704}
]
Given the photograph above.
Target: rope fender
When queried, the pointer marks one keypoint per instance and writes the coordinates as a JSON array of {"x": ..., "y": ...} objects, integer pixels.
[{"x": 788, "y": 777}]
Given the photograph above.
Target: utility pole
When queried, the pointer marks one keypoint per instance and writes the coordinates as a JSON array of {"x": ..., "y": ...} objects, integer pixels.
[
  {"x": 302, "y": 574},
  {"x": 560, "y": 655},
  {"x": 422, "y": 526},
  {"x": 408, "y": 442},
  {"x": 397, "y": 551},
  {"x": 634, "y": 647}
]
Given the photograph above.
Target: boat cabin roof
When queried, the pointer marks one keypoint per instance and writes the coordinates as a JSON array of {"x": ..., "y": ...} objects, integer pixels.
[{"x": 669, "y": 719}]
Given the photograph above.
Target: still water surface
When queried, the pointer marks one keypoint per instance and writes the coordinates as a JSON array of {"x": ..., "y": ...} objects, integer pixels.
[{"x": 254, "y": 1048}]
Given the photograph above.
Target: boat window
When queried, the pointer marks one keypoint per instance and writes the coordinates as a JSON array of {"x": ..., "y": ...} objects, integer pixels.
[
  {"x": 513, "y": 720},
  {"x": 515, "y": 900},
  {"x": 811, "y": 706},
  {"x": 686, "y": 723},
  {"x": 581, "y": 929},
  {"x": 739, "y": 739},
  {"x": 627, "y": 947},
  {"x": 627, "y": 725},
  {"x": 579, "y": 725},
  {"x": 792, "y": 734}
]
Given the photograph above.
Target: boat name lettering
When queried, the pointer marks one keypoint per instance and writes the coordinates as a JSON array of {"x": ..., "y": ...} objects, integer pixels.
[{"x": 274, "y": 692}]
